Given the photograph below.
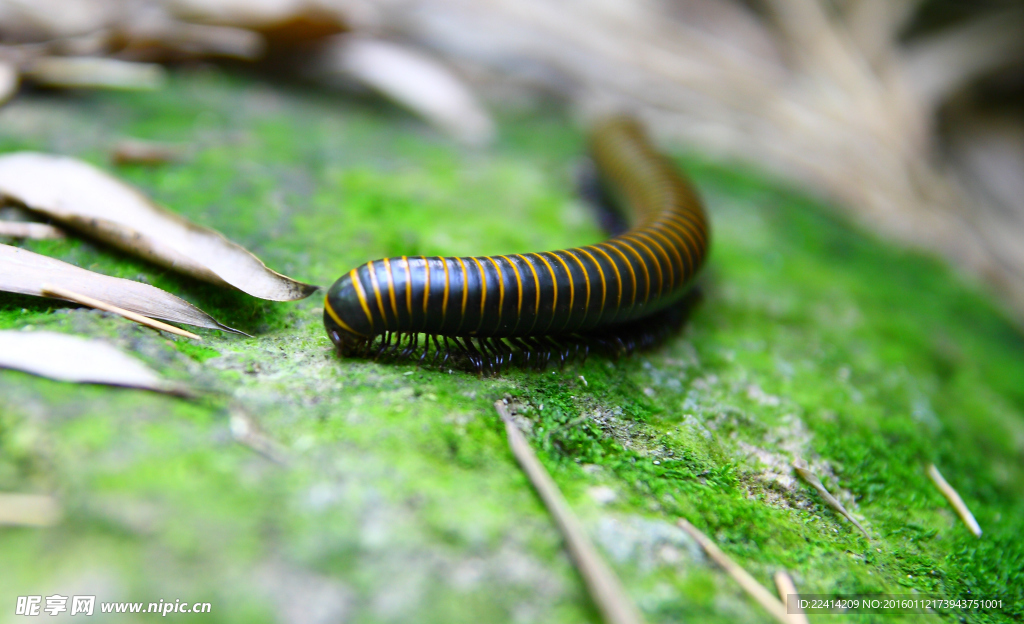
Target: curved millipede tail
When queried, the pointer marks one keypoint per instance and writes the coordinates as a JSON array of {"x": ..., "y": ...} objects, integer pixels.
[{"x": 489, "y": 311}]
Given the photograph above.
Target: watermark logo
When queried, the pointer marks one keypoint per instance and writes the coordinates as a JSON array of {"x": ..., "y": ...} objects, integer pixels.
[{"x": 86, "y": 605}]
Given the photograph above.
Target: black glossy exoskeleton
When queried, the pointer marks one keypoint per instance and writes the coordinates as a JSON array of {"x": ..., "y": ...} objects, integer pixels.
[{"x": 520, "y": 302}]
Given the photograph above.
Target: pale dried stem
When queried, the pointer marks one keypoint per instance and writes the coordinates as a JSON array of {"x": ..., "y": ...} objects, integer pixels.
[
  {"x": 786, "y": 588},
  {"x": 62, "y": 293},
  {"x": 805, "y": 473},
  {"x": 604, "y": 587},
  {"x": 741, "y": 576},
  {"x": 954, "y": 499}
]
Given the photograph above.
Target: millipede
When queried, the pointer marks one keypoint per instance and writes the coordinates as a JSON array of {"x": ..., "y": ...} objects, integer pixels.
[{"x": 621, "y": 293}]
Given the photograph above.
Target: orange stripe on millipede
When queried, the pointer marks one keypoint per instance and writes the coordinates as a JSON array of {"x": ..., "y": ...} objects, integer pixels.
[
  {"x": 586, "y": 279},
  {"x": 519, "y": 283},
  {"x": 408, "y": 288},
  {"x": 447, "y": 287},
  {"x": 391, "y": 289},
  {"x": 667, "y": 244},
  {"x": 643, "y": 265},
  {"x": 354, "y": 275},
  {"x": 376, "y": 292},
  {"x": 554, "y": 283},
  {"x": 501, "y": 290},
  {"x": 604, "y": 286},
  {"x": 536, "y": 287},
  {"x": 632, "y": 237},
  {"x": 572, "y": 290},
  {"x": 632, "y": 275},
  {"x": 426, "y": 290},
  {"x": 337, "y": 319},
  {"x": 465, "y": 294},
  {"x": 483, "y": 295}
]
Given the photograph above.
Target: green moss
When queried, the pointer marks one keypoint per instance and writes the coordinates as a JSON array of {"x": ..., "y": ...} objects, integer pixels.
[{"x": 400, "y": 500}]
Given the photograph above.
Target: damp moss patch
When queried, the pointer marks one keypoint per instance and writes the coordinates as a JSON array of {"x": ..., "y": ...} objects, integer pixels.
[{"x": 399, "y": 500}]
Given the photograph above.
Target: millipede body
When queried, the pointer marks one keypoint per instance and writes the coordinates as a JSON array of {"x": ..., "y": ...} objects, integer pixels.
[{"x": 532, "y": 299}]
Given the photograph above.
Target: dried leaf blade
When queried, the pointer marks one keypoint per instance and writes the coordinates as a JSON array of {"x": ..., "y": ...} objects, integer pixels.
[
  {"x": 79, "y": 360},
  {"x": 8, "y": 81},
  {"x": 25, "y": 272},
  {"x": 85, "y": 198},
  {"x": 31, "y": 510},
  {"x": 95, "y": 72}
]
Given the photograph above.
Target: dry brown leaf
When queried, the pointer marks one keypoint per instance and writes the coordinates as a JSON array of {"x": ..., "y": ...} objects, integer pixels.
[
  {"x": 26, "y": 273},
  {"x": 35, "y": 510},
  {"x": 414, "y": 80},
  {"x": 87, "y": 199},
  {"x": 8, "y": 81},
  {"x": 95, "y": 73},
  {"x": 80, "y": 360}
]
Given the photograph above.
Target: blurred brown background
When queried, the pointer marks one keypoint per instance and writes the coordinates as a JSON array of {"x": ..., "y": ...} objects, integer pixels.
[{"x": 908, "y": 114}]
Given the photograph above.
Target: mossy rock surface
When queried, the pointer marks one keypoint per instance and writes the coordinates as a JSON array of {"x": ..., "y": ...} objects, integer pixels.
[{"x": 401, "y": 501}]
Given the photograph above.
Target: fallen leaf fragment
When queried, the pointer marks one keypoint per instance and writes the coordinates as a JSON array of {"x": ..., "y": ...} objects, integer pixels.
[
  {"x": 954, "y": 499},
  {"x": 741, "y": 576},
  {"x": 80, "y": 360},
  {"x": 605, "y": 589},
  {"x": 25, "y": 272},
  {"x": 157, "y": 36},
  {"x": 61, "y": 293},
  {"x": 85, "y": 72},
  {"x": 26, "y": 229},
  {"x": 784, "y": 583},
  {"x": 8, "y": 81},
  {"x": 34, "y": 510},
  {"x": 85, "y": 198},
  {"x": 804, "y": 470},
  {"x": 137, "y": 152},
  {"x": 415, "y": 81}
]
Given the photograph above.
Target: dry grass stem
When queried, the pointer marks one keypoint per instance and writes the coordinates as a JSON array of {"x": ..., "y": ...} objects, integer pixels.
[
  {"x": 741, "y": 576},
  {"x": 136, "y": 152},
  {"x": 62, "y": 293},
  {"x": 954, "y": 500},
  {"x": 605, "y": 589},
  {"x": 245, "y": 430},
  {"x": 34, "y": 510},
  {"x": 784, "y": 584},
  {"x": 805, "y": 473}
]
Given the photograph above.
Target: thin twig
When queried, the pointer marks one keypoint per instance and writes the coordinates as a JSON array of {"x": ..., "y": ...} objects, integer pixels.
[
  {"x": 804, "y": 471},
  {"x": 37, "y": 510},
  {"x": 784, "y": 583},
  {"x": 954, "y": 500},
  {"x": 733, "y": 569},
  {"x": 605, "y": 589},
  {"x": 56, "y": 291}
]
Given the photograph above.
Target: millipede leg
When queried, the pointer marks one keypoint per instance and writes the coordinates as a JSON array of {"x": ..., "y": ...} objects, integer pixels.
[
  {"x": 447, "y": 351},
  {"x": 414, "y": 341}
]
